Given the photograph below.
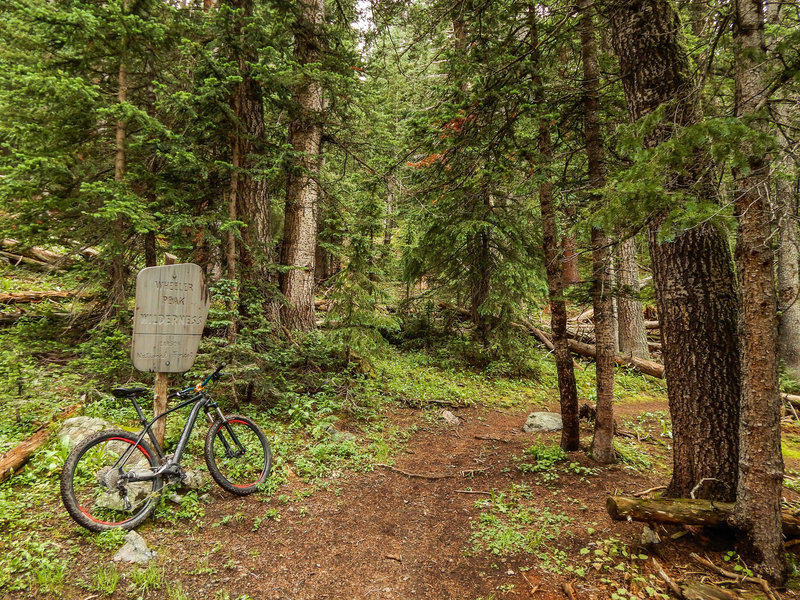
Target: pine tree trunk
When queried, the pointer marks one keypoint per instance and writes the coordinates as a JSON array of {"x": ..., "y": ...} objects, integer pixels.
[
  {"x": 567, "y": 389},
  {"x": 757, "y": 514},
  {"x": 632, "y": 334},
  {"x": 119, "y": 270},
  {"x": 693, "y": 272},
  {"x": 788, "y": 255},
  {"x": 602, "y": 278},
  {"x": 256, "y": 252},
  {"x": 302, "y": 195}
]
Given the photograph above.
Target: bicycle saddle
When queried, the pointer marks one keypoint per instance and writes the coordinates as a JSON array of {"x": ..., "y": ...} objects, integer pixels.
[{"x": 128, "y": 392}]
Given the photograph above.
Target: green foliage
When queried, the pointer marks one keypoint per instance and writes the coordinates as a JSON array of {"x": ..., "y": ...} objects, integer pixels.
[
  {"x": 509, "y": 524},
  {"x": 148, "y": 579}
]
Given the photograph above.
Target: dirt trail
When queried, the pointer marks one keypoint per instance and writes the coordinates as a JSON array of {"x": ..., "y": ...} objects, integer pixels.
[{"x": 387, "y": 535}]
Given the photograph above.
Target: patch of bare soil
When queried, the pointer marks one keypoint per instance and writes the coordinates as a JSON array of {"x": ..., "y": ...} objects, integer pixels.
[{"x": 403, "y": 531}]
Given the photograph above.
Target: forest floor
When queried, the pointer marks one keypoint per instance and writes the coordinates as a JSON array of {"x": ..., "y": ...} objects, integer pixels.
[{"x": 462, "y": 512}]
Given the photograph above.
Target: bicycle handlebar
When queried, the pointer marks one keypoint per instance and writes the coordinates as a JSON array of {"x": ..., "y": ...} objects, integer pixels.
[
  {"x": 214, "y": 375},
  {"x": 196, "y": 388}
]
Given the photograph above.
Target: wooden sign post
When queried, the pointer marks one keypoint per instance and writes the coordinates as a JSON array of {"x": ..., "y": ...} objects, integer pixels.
[{"x": 171, "y": 309}]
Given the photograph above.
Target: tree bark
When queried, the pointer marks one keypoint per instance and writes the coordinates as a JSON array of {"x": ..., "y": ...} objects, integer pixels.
[
  {"x": 602, "y": 282},
  {"x": 693, "y": 271},
  {"x": 119, "y": 270},
  {"x": 788, "y": 254},
  {"x": 302, "y": 196},
  {"x": 249, "y": 261},
  {"x": 570, "y": 434},
  {"x": 632, "y": 334},
  {"x": 757, "y": 515}
]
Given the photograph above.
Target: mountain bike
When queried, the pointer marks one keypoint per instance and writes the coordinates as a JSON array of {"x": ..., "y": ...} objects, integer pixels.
[{"x": 114, "y": 479}]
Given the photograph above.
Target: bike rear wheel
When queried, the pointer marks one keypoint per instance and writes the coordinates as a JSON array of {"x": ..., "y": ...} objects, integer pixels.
[
  {"x": 237, "y": 454},
  {"x": 94, "y": 485}
]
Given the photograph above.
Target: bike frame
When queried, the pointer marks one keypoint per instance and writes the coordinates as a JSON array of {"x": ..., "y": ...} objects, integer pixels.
[{"x": 170, "y": 464}]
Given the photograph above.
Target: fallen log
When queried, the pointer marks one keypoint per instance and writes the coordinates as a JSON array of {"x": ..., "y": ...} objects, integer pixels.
[
  {"x": 652, "y": 325},
  {"x": 684, "y": 511},
  {"x": 18, "y": 259},
  {"x": 648, "y": 367},
  {"x": 13, "y": 460},
  {"x": 538, "y": 334},
  {"x": 791, "y": 399},
  {"x": 30, "y": 297}
]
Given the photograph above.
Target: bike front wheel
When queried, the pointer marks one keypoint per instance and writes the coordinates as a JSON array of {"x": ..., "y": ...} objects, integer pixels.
[
  {"x": 237, "y": 454},
  {"x": 96, "y": 483}
]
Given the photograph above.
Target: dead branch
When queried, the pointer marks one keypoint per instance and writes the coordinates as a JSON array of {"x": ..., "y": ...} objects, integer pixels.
[
  {"x": 415, "y": 475},
  {"x": 674, "y": 588},
  {"x": 39, "y": 296},
  {"x": 13, "y": 460},
  {"x": 568, "y": 590},
  {"x": 762, "y": 583},
  {"x": 650, "y": 491}
]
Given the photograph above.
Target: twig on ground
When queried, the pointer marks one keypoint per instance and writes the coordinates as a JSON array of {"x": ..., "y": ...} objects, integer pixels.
[
  {"x": 762, "y": 583},
  {"x": 790, "y": 406},
  {"x": 534, "y": 588},
  {"x": 568, "y": 590},
  {"x": 650, "y": 491},
  {"x": 670, "y": 584},
  {"x": 417, "y": 475},
  {"x": 492, "y": 439},
  {"x": 396, "y": 557}
]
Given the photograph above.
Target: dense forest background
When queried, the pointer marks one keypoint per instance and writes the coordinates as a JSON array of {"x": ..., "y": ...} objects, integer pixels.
[{"x": 463, "y": 175}]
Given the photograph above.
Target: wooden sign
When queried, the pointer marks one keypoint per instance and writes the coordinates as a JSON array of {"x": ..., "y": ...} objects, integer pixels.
[{"x": 171, "y": 309}]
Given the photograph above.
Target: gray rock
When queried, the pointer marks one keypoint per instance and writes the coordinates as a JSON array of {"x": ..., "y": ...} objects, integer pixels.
[
  {"x": 77, "y": 429},
  {"x": 175, "y": 498},
  {"x": 194, "y": 479},
  {"x": 135, "y": 550},
  {"x": 543, "y": 421},
  {"x": 649, "y": 537},
  {"x": 340, "y": 436},
  {"x": 450, "y": 418}
]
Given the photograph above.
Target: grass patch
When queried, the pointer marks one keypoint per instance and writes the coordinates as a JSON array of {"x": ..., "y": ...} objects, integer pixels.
[{"x": 510, "y": 522}]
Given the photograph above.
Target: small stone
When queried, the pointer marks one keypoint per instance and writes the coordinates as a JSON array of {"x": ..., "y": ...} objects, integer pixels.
[
  {"x": 543, "y": 421},
  {"x": 135, "y": 550},
  {"x": 450, "y": 418},
  {"x": 206, "y": 498},
  {"x": 175, "y": 498},
  {"x": 194, "y": 479},
  {"x": 649, "y": 537},
  {"x": 340, "y": 436}
]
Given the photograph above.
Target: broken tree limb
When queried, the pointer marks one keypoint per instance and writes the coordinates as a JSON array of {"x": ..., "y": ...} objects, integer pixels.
[
  {"x": 791, "y": 399},
  {"x": 416, "y": 475},
  {"x": 17, "y": 260},
  {"x": 684, "y": 511},
  {"x": 13, "y": 460},
  {"x": 39, "y": 296},
  {"x": 762, "y": 583},
  {"x": 538, "y": 334},
  {"x": 648, "y": 367}
]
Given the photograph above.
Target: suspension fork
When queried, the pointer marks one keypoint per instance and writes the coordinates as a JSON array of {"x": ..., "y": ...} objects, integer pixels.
[{"x": 228, "y": 451}]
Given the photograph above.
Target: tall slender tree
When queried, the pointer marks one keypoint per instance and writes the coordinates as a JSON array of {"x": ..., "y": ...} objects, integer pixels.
[
  {"x": 758, "y": 499},
  {"x": 303, "y": 191},
  {"x": 567, "y": 389},
  {"x": 602, "y": 282}
]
